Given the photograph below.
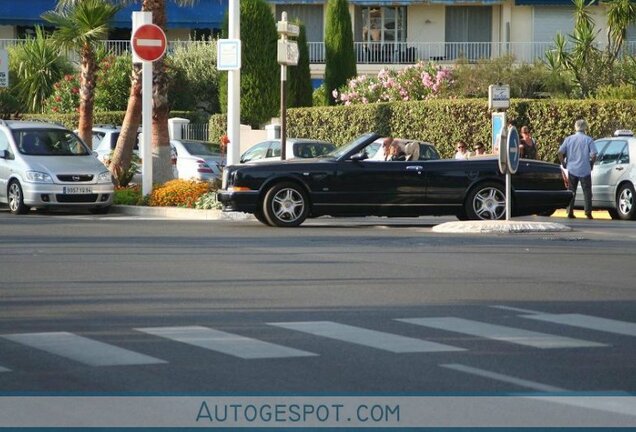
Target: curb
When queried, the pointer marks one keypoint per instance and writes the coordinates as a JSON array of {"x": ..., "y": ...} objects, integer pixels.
[
  {"x": 179, "y": 213},
  {"x": 500, "y": 227}
]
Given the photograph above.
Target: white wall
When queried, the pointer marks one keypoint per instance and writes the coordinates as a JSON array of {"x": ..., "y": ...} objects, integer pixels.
[
  {"x": 425, "y": 23},
  {"x": 520, "y": 24}
]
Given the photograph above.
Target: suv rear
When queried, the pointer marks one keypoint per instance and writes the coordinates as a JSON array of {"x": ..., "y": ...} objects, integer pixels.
[{"x": 46, "y": 165}]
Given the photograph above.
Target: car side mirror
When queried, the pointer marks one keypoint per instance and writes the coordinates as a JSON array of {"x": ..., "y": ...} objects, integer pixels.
[{"x": 4, "y": 154}]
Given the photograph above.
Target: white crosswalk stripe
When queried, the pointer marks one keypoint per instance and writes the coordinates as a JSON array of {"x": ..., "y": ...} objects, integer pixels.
[
  {"x": 361, "y": 336},
  {"x": 588, "y": 322},
  {"x": 81, "y": 349},
  {"x": 226, "y": 343},
  {"x": 501, "y": 333},
  {"x": 4, "y": 369}
]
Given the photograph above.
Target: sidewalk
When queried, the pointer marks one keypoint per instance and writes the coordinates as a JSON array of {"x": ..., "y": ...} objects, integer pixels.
[{"x": 178, "y": 213}]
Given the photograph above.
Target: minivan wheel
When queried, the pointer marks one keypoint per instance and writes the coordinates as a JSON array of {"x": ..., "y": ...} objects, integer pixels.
[
  {"x": 16, "y": 198},
  {"x": 486, "y": 201},
  {"x": 285, "y": 205},
  {"x": 625, "y": 202}
]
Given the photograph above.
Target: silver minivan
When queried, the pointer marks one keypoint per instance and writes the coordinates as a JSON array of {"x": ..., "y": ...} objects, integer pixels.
[{"x": 45, "y": 165}]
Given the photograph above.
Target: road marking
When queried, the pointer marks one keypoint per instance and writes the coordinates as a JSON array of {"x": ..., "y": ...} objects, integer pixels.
[
  {"x": 514, "y": 309},
  {"x": 4, "y": 369},
  {"x": 226, "y": 343},
  {"x": 361, "y": 336},
  {"x": 503, "y": 378},
  {"x": 81, "y": 349},
  {"x": 588, "y": 322},
  {"x": 501, "y": 333}
]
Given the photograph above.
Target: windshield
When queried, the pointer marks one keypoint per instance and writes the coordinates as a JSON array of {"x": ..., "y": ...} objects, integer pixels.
[
  {"x": 348, "y": 147},
  {"x": 49, "y": 142},
  {"x": 200, "y": 148}
]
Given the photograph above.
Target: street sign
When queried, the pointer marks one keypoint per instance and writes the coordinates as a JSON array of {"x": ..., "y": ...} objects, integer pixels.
[
  {"x": 512, "y": 150},
  {"x": 4, "y": 68},
  {"x": 149, "y": 42},
  {"x": 288, "y": 53},
  {"x": 498, "y": 123},
  {"x": 498, "y": 96},
  {"x": 228, "y": 54}
]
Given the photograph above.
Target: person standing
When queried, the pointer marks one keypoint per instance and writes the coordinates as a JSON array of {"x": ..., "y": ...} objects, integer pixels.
[
  {"x": 578, "y": 154},
  {"x": 527, "y": 144}
]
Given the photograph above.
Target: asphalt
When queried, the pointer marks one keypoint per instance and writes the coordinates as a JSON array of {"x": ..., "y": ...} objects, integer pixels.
[{"x": 511, "y": 226}]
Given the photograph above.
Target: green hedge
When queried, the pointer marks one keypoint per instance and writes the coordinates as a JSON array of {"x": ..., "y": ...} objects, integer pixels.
[
  {"x": 445, "y": 121},
  {"x": 71, "y": 121}
]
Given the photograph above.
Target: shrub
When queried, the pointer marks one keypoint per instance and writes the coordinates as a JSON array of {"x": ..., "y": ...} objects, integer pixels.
[
  {"x": 299, "y": 84},
  {"x": 113, "y": 83},
  {"x": 340, "y": 60},
  {"x": 260, "y": 72},
  {"x": 180, "y": 193},
  {"x": 208, "y": 201},
  {"x": 65, "y": 97},
  {"x": 129, "y": 195}
]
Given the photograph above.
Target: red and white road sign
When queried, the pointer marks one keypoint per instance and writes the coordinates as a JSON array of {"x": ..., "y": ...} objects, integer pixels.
[{"x": 149, "y": 42}]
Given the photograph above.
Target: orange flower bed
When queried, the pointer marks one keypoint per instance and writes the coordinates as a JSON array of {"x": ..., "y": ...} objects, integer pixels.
[{"x": 179, "y": 193}]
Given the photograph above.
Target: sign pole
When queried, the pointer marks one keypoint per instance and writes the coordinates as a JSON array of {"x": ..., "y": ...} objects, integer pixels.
[
  {"x": 287, "y": 55},
  {"x": 234, "y": 89}
]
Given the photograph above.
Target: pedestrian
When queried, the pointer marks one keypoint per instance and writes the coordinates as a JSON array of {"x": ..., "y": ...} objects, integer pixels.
[
  {"x": 578, "y": 154},
  {"x": 479, "y": 149},
  {"x": 527, "y": 144},
  {"x": 462, "y": 152}
]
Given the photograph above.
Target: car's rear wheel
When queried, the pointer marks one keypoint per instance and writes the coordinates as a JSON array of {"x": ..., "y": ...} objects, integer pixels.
[
  {"x": 258, "y": 214},
  {"x": 16, "y": 198},
  {"x": 625, "y": 202},
  {"x": 486, "y": 201},
  {"x": 285, "y": 205}
]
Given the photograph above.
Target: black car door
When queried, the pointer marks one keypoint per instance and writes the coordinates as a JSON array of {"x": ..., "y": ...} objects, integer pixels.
[{"x": 448, "y": 180}]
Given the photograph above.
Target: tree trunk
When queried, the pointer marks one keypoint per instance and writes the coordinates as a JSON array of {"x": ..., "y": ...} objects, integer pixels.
[
  {"x": 88, "y": 72},
  {"x": 122, "y": 155},
  {"x": 161, "y": 163}
]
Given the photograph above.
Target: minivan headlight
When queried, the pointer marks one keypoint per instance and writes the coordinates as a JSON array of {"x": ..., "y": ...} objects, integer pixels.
[
  {"x": 105, "y": 177},
  {"x": 38, "y": 177}
]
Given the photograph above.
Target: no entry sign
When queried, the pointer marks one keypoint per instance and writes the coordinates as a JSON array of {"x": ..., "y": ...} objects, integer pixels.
[{"x": 149, "y": 42}]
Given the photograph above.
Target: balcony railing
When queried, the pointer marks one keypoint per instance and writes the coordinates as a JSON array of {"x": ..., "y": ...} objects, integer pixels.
[{"x": 398, "y": 52}]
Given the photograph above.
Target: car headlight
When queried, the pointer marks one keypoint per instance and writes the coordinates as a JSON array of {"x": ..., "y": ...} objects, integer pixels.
[
  {"x": 38, "y": 177},
  {"x": 105, "y": 177}
]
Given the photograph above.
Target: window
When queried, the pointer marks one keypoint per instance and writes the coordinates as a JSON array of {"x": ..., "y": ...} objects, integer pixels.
[
  {"x": 4, "y": 143},
  {"x": 612, "y": 152},
  {"x": 256, "y": 152},
  {"x": 383, "y": 23}
]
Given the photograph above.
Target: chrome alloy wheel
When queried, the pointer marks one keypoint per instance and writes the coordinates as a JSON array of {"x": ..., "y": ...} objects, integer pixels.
[
  {"x": 288, "y": 205},
  {"x": 15, "y": 198},
  {"x": 625, "y": 201},
  {"x": 489, "y": 203}
]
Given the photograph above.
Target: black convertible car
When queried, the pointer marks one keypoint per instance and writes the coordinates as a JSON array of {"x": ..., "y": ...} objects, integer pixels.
[{"x": 352, "y": 182}]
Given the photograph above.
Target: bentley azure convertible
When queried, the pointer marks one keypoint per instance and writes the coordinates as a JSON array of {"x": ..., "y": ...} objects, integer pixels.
[{"x": 352, "y": 182}]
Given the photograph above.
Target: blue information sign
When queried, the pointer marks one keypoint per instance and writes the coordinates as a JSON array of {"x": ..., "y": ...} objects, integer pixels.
[{"x": 512, "y": 148}]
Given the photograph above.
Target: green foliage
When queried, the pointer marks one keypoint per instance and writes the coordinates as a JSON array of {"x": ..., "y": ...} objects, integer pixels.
[
  {"x": 9, "y": 103},
  {"x": 65, "y": 97},
  {"x": 260, "y": 98},
  {"x": 37, "y": 66},
  {"x": 130, "y": 195},
  {"x": 124, "y": 177},
  {"x": 319, "y": 96},
  {"x": 217, "y": 127},
  {"x": 340, "y": 60},
  {"x": 622, "y": 91},
  {"x": 299, "y": 89},
  {"x": 444, "y": 122},
  {"x": 113, "y": 83},
  {"x": 208, "y": 201},
  {"x": 192, "y": 67}
]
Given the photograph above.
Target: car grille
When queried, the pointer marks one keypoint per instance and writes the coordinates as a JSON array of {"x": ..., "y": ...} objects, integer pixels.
[
  {"x": 75, "y": 177},
  {"x": 79, "y": 198}
]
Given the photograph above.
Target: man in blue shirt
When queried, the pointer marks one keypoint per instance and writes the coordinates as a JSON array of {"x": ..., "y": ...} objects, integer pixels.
[{"x": 578, "y": 154}]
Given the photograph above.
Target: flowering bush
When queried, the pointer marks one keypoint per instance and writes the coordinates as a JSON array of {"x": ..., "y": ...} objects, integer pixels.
[
  {"x": 416, "y": 82},
  {"x": 65, "y": 97},
  {"x": 180, "y": 193}
]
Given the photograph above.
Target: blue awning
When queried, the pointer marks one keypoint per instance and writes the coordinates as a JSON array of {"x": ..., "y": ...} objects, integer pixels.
[
  {"x": 204, "y": 13},
  {"x": 546, "y": 3}
]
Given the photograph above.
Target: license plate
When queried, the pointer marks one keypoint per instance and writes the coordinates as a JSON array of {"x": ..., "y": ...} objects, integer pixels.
[{"x": 72, "y": 190}]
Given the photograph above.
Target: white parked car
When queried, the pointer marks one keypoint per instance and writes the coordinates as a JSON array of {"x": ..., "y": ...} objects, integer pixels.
[
  {"x": 105, "y": 140},
  {"x": 46, "y": 165},
  {"x": 614, "y": 176},
  {"x": 196, "y": 160},
  {"x": 296, "y": 148}
]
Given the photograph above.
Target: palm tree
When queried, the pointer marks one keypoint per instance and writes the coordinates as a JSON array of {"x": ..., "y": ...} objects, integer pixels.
[
  {"x": 162, "y": 170},
  {"x": 79, "y": 27},
  {"x": 620, "y": 14}
]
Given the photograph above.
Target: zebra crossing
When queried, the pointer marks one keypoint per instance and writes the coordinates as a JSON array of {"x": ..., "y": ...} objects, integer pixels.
[{"x": 91, "y": 352}]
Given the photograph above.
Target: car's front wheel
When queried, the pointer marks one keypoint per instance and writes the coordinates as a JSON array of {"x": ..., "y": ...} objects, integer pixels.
[
  {"x": 625, "y": 202},
  {"x": 16, "y": 198},
  {"x": 486, "y": 201},
  {"x": 285, "y": 205},
  {"x": 258, "y": 214}
]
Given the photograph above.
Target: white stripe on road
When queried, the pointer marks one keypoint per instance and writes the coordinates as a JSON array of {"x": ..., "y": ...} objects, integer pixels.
[
  {"x": 588, "y": 322},
  {"x": 503, "y": 378},
  {"x": 3, "y": 369},
  {"x": 149, "y": 42},
  {"x": 371, "y": 338},
  {"x": 81, "y": 349},
  {"x": 501, "y": 333},
  {"x": 226, "y": 343},
  {"x": 515, "y": 309}
]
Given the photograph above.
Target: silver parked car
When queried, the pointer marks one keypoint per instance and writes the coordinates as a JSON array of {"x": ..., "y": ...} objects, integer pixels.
[
  {"x": 196, "y": 160},
  {"x": 614, "y": 176},
  {"x": 46, "y": 165},
  {"x": 296, "y": 148}
]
